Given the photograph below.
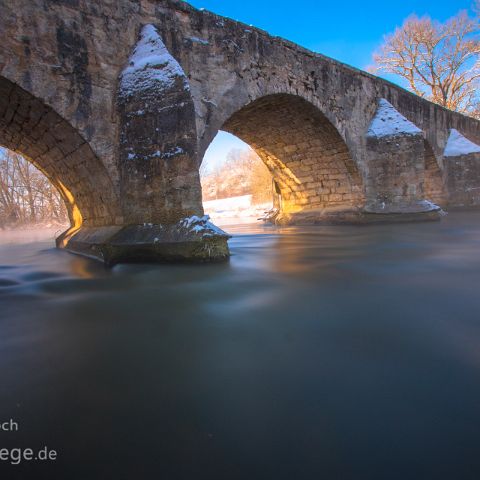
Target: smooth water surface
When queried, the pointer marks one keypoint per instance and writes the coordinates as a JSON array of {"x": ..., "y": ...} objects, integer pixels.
[{"x": 325, "y": 352}]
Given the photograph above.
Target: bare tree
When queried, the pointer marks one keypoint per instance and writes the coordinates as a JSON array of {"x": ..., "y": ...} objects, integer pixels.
[
  {"x": 26, "y": 195},
  {"x": 242, "y": 173},
  {"x": 439, "y": 61}
]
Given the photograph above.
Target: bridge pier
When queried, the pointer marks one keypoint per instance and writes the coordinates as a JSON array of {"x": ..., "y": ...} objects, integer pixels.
[
  {"x": 159, "y": 191},
  {"x": 192, "y": 239},
  {"x": 395, "y": 180},
  {"x": 462, "y": 171}
]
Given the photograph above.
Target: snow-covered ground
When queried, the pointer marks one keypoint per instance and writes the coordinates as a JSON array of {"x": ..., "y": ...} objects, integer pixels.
[{"x": 235, "y": 210}]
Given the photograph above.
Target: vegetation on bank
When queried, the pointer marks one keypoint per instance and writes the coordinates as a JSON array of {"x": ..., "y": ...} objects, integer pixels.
[
  {"x": 26, "y": 195},
  {"x": 242, "y": 173}
]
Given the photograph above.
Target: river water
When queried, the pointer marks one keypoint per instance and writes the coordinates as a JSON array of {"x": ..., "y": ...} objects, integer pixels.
[{"x": 325, "y": 352}]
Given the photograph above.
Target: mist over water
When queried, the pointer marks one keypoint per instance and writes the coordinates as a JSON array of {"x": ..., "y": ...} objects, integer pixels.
[{"x": 325, "y": 352}]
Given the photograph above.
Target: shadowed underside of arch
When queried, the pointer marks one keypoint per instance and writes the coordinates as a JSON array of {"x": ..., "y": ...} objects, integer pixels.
[
  {"x": 305, "y": 154},
  {"x": 33, "y": 129}
]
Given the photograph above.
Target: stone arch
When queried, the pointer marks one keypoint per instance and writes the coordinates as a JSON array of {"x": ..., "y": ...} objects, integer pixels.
[
  {"x": 434, "y": 186},
  {"x": 305, "y": 154},
  {"x": 33, "y": 129}
]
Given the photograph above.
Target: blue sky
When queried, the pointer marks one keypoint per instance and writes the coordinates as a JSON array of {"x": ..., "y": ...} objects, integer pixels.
[{"x": 348, "y": 30}]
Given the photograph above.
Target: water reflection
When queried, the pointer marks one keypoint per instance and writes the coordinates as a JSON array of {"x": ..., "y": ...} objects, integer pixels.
[{"x": 330, "y": 352}]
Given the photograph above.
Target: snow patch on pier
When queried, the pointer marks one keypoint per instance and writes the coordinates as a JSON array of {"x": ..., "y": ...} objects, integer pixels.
[
  {"x": 458, "y": 145},
  {"x": 150, "y": 65},
  {"x": 389, "y": 122}
]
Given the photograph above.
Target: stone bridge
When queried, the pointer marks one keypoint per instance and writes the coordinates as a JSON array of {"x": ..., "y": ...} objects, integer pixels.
[{"x": 116, "y": 102}]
